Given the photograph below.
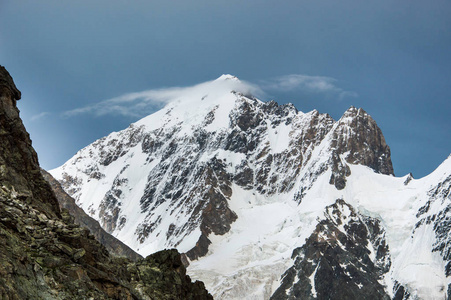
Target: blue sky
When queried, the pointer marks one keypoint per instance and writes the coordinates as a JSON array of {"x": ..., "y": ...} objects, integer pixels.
[{"x": 392, "y": 58}]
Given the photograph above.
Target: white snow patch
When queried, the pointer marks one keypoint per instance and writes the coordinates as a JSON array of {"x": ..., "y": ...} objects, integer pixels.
[
  {"x": 312, "y": 281},
  {"x": 279, "y": 138}
]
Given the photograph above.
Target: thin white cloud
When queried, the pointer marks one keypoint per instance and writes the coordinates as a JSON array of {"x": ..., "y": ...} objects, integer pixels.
[
  {"x": 307, "y": 83},
  {"x": 39, "y": 116},
  {"x": 128, "y": 105},
  {"x": 141, "y": 104}
]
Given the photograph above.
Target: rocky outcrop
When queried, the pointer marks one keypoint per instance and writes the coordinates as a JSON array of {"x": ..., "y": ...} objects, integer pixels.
[
  {"x": 358, "y": 136},
  {"x": 48, "y": 258},
  {"x": 344, "y": 258},
  {"x": 340, "y": 171},
  {"x": 113, "y": 245},
  {"x": 44, "y": 255},
  {"x": 8, "y": 88},
  {"x": 19, "y": 167}
]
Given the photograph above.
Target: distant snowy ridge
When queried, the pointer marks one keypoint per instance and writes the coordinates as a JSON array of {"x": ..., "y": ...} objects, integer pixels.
[{"x": 237, "y": 184}]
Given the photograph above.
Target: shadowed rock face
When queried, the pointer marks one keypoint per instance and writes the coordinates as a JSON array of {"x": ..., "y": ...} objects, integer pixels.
[
  {"x": 344, "y": 258},
  {"x": 359, "y": 135},
  {"x": 44, "y": 255},
  {"x": 19, "y": 167}
]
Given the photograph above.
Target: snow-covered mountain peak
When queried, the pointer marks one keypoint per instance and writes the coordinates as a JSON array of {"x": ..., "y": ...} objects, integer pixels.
[
  {"x": 227, "y": 77},
  {"x": 207, "y": 104},
  {"x": 193, "y": 151},
  {"x": 236, "y": 184}
]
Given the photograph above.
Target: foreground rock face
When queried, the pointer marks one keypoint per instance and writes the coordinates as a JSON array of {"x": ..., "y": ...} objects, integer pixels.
[
  {"x": 48, "y": 258},
  {"x": 44, "y": 255},
  {"x": 19, "y": 167}
]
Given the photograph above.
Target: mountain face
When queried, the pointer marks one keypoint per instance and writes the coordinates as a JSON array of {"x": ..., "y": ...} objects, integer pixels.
[
  {"x": 267, "y": 201},
  {"x": 44, "y": 255}
]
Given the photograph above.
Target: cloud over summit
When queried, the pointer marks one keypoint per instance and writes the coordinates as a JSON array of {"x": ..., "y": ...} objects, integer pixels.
[{"x": 141, "y": 104}]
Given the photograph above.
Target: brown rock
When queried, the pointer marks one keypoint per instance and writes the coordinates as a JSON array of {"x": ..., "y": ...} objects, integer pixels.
[{"x": 358, "y": 135}]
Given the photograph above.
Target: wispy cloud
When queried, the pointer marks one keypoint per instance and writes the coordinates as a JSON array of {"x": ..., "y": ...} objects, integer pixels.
[
  {"x": 306, "y": 83},
  {"x": 39, "y": 116},
  {"x": 128, "y": 105},
  {"x": 141, "y": 104}
]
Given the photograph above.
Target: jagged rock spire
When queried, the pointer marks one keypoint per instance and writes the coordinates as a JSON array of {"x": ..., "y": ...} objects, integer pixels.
[{"x": 358, "y": 136}]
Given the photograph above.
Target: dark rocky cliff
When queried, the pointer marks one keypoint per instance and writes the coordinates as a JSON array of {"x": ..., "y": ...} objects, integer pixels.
[
  {"x": 346, "y": 257},
  {"x": 44, "y": 255},
  {"x": 19, "y": 167}
]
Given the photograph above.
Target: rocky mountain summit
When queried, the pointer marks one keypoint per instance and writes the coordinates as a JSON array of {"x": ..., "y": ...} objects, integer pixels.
[
  {"x": 267, "y": 201},
  {"x": 44, "y": 255}
]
